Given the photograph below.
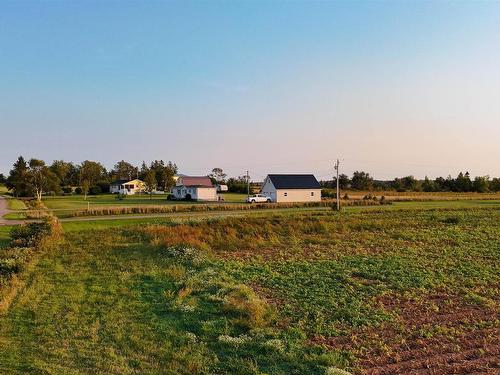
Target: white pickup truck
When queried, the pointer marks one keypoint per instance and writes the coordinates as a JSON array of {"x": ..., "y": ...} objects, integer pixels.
[{"x": 258, "y": 198}]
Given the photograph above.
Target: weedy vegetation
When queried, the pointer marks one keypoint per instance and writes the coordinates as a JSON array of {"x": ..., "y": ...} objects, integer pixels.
[{"x": 386, "y": 291}]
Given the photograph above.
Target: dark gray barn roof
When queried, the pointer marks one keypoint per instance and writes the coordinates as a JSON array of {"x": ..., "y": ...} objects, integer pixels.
[
  {"x": 294, "y": 181},
  {"x": 119, "y": 182}
]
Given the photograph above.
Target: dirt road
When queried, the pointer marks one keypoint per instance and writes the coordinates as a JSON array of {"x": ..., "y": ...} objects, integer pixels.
[{"x": 4, "y": 209}]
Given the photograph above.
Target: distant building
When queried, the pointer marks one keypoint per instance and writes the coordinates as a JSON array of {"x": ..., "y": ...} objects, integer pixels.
[
  {"x": 292, "y": 188},
  {"x": 128, "y": 187},
  {"x": 198, "y": 188},
  {"x": 221, "y": 188}
]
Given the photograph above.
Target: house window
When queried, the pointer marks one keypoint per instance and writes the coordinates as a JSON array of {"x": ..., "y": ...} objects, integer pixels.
[
  {"x": 312, "y": 193},
  {"x": 285, "y": 194}
]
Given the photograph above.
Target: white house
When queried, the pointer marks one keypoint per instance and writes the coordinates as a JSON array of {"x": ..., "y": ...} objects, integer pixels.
[
  {"x": 194, "y": 188},
  {"x": 221, "y": 188},
  {"x": 128, "y": 187},
  {"x": 292, "y": 188}
]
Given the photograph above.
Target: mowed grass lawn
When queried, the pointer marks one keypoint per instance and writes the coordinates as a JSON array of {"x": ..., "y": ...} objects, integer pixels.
[{"x": 64, "y": 206}]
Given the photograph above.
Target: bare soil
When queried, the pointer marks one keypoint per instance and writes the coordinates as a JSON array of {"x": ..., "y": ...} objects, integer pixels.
[{"x": 438, "y": 335}]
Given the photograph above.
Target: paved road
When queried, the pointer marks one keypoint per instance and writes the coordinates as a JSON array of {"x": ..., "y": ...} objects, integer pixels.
[{"x": 5, "y": 210}]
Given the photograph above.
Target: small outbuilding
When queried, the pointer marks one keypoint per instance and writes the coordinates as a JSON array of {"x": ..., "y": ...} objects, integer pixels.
[
  {"x": 127, "y": 187},
  {"x": 198, "y": 188},
  {"x": 292, "y": 188}
]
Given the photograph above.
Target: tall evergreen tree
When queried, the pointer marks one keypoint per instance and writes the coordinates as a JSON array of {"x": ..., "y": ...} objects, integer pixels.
[{"x": 17, "y": 180}]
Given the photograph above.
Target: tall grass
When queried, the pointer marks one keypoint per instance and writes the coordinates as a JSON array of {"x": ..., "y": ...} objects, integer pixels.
[{"x": 137, "y": 210}]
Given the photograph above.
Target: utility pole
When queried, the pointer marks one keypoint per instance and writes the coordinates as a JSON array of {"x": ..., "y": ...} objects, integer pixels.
[
  {"x": 248, "y": 185},
  {"x": 338, "y": 189}
]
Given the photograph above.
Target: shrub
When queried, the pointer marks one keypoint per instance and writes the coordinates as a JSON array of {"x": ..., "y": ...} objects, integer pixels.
[
  {"x": 104, "y": 186},
  {"x": 67, "y": 190},
  {"x": 328, "y": 193},
  {"x": 10, "y": 265},
  {"x": 78, "y": 190},
  {"x": 28, "y": 235},
  {"x": 95, "y": 190}
]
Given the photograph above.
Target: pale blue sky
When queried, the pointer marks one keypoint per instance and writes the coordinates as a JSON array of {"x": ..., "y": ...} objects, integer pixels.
[{"x": 392, "y": 88}]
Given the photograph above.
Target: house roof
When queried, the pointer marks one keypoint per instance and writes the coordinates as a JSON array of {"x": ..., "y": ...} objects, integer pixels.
[
  {"x": 121, "y": 182},
  {"x": 200, "y": 181},
  {"x": 294, "y": 181}
]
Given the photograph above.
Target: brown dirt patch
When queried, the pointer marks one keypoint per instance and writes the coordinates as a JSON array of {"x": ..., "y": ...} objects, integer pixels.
[{"x": 439, "y": 334}]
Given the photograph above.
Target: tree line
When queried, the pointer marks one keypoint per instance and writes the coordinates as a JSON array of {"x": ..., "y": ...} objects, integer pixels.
[
  {"x": 361, "y": 180},
  {"x": 34, "y": 178}
]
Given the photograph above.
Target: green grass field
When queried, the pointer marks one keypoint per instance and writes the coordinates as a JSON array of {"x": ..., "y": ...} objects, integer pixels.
[
  {"x": 64, "y": 206},
  {"x": 77, "y": 201},
  {"x": 15, "y": 204},
  {"x": 299, "y": 293}
]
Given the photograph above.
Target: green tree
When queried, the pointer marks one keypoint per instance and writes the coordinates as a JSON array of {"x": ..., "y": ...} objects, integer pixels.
[
  {"x": 344, "y": 181},
  {"x": 237, "y": 185},
  {"x": 142, "y": 172},
  {"x": 361, "y": 181},
  {"x": 65, "y": 171},
  {"x": 150, "y": 181},
  {"x": 91, "y": 172},
  {"x": 481, "y": 184},
  {"x": 40, "y": 179},
  {"x": 124, "y": 171},
  {"x": 495, "y": 184},
  {"x": 428, "y": 185},
  {"x": 218, "y": 176},
  {"x": 3, "y": 180},
  {"x": 164, "y": 174},
  {"x": 462, "y": 182},
  {"x": 17, "y": 180},
  {"x": 170, "y": 172}
]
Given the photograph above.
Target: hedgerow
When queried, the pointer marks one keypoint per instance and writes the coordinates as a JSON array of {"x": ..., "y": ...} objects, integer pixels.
[
  {"x": 27, "y": 240},
  {"x": 151, "y": 209}
]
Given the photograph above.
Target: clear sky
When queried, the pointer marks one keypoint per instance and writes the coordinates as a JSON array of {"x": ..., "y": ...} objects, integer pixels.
[{"x": 392, "y": 88}]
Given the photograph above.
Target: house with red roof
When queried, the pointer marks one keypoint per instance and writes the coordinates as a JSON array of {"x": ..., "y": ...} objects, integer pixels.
[{"x": 197, "y": 188}]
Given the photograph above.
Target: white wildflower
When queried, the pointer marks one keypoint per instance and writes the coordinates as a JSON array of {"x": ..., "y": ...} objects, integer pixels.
[
  {"x": 191, "y": 336},
  {"x": 336, "y": 371},
  {"x": 234, "y": 341},
  {"x": 275, "y": 344}
]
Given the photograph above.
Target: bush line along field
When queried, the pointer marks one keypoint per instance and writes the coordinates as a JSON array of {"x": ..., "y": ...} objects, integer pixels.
[{"x": 308, "y": 293}]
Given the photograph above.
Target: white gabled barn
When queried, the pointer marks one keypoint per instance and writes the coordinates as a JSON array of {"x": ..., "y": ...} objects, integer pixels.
[{"x": 292, "y": 188}]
